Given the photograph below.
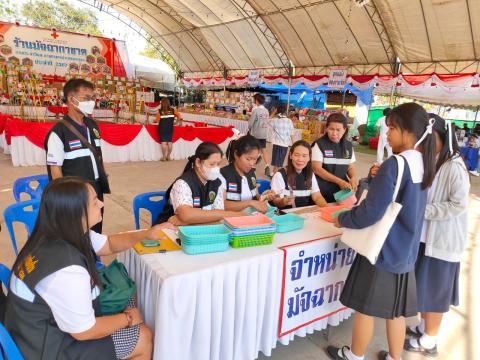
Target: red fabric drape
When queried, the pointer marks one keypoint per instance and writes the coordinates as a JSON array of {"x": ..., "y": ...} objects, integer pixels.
[
  {"x": 114, "y": 134},
  {"x": 189, "y": 133},
  {"x": 118, "y": 134},
  {"x": 58, "y": 109}
]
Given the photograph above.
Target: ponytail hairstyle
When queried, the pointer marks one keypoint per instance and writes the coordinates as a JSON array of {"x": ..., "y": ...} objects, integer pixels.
[
  {"x": 446, "y": 133},
  {"x": 341, "y": 119},
  {"x": 307, "y": 170},
  {"x": 203, "y": 152},
  {"x": 241, "y": 146},
  {"x": 413, "y": 118}
]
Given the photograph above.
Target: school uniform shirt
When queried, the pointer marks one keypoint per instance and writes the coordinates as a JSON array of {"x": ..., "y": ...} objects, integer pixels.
[
  {"x": 282, "y": 129},
  {"x": 181, "y": 194},
  {"x": 382, "y": 123},
  {"x": 400, "y": 250},
  {"x": 64, "y": 149},
  {"x": 258, "y": 123},
  {"x": 67, "y": 292}
]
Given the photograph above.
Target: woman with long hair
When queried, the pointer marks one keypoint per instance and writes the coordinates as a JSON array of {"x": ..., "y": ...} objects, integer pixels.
[
  {"x": 197, "y": 196},
  {"x": 296, "y": 184},
  {"x": 53, "y": 309},
  {"x": 444, "y": 236},
  {"x": 165, "y": 117},
  {"x": 387, "y": 289},
  {"x": 333, "y": 158},
  {"x": 239, "y": 179}
]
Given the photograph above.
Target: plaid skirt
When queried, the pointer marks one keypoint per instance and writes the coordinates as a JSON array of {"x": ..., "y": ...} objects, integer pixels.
[{"x": 126, "y": 339}]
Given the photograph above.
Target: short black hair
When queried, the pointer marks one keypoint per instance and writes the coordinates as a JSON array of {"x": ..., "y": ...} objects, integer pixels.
[
  {"x": 73, "y": 85},
  {"x": 386, "y": 111},
  {"x": 259, "y": 98}
]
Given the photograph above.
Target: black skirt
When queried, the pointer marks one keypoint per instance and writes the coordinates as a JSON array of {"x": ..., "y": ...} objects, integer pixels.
[
  {"x": 165, "y": 128},
  {"x": 437, "y": 283},
  {"x": 375, "y": 292}
]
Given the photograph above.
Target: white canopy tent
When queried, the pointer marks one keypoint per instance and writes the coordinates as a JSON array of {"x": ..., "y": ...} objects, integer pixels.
[
  {"x": 206, "y": 36},
  {"x": 154, "y": 73}
]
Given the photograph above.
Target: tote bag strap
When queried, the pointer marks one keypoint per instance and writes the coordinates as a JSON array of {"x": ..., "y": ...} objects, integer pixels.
[{"x": 401, "y": 167}]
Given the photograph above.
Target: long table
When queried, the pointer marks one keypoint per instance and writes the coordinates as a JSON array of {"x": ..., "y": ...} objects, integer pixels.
[{"x": 223, "y": 305}]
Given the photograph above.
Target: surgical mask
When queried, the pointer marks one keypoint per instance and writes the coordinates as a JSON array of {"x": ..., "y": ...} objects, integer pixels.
[
  {"x": 211, "y": 173},
  {"x": 86, "y": 107}
]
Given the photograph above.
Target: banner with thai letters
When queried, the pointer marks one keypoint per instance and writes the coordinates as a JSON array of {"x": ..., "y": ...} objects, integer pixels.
[{"x": 314, "y": 274}]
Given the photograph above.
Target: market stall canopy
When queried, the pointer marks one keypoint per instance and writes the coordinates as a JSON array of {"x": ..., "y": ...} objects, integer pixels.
[
  {"x": 154, "y": 73},
  {"x": 209, "y": 35}
]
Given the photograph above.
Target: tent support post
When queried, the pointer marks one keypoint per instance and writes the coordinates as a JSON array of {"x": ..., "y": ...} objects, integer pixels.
[{"x": 290, "y": 71}]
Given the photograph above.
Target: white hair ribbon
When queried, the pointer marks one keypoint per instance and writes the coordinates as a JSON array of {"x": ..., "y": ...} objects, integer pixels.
[
  {"x": 449, "y": 127},
  {"x": 428, "y": 131}
]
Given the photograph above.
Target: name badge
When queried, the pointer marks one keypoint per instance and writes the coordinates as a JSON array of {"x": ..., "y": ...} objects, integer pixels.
[{"x": 233, "y": 196}]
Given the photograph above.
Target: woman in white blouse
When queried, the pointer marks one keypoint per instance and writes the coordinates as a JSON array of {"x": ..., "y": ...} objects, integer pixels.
[
  {"x": 198, "y": 196},
  {"x": 296, "y": 184}
]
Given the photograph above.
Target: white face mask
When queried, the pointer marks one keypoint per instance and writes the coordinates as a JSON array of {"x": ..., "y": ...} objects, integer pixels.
[
  {"x": 86, "y": 107},
  {"x": 211, "y": 173}
]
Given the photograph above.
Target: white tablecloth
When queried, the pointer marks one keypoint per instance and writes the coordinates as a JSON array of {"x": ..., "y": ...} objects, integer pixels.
[
  {"x": 241, "y": 125},
  {"x": 219, "y": 306},
  {"x": 3, "y": 144},
  {"x": 142, "y": 148},
  {"x": 42, "y": 112}
]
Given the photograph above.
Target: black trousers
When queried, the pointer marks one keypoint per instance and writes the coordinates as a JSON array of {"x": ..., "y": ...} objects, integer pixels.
[{"x": 98, "y": 227}]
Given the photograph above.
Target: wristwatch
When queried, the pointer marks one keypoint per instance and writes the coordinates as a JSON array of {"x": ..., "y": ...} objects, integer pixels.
[{"x": 129, "y": 318}]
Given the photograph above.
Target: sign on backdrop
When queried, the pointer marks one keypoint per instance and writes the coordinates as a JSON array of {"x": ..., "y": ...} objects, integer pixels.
[
  {"x": 58, "y": 53},
  {"x": 337, "y": 79},
  {"x": 314, "y": 274},
  {"x": 253, "y": 77}
]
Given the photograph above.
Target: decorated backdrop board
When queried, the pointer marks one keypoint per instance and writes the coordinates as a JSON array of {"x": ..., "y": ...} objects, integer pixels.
[{"x": 59, "y": 53}]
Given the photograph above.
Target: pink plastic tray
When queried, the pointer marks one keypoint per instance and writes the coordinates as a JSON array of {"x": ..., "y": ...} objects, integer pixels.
[
  {"x": 257, "y": 220},
  {"x": 349, "y": 201},
  {"x": 326, "y": 212}
]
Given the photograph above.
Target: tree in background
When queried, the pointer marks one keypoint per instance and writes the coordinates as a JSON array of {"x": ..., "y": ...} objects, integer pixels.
[
  {"x": 8, "y": 11},
  {"x": 61, "y": 15},
  {"x": 152, "y": 52}
]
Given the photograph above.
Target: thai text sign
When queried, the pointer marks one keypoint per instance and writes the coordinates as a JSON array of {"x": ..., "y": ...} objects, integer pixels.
[
  {"x": 337, "y": 79},
  {"x": 313, "y": 277}
]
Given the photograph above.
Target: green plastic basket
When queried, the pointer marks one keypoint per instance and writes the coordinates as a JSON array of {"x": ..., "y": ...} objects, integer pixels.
[
  {"x": 342, "y": 194},
  {"x": 251, "y": 240},
  {"x": 205, "y": 248},
  {"x": 288, "y": 222},
  {"x": 198, "y": 235}
]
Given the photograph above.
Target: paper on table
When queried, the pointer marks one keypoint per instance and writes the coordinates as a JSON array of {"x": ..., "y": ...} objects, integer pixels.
[{"x": 166, "y": 243}]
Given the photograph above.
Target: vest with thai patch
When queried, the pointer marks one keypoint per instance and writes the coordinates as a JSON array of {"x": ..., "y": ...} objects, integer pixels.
[
  {"x": 29, "y": 319},
  {"x": 303, "y": 196},
  {"x": 234, "y": 183},
  {"x": 335, "y": 161}
]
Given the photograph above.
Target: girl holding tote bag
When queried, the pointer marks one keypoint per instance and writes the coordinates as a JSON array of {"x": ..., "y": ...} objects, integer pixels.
[{"x": 387, "y": 289}]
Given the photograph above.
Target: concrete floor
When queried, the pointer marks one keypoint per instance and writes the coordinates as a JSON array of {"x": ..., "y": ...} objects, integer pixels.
[{"x": 460, "y": 331}]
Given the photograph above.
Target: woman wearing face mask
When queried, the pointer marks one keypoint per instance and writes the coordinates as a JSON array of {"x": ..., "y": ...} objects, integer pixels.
[
  {"x": 333, "y": 158},
  {"x": 296, "y": 184},
  {"x": 239, "y": 179},
  {"x": 197, "y": 196}
]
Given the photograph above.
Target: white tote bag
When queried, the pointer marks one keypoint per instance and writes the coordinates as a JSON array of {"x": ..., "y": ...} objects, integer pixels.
[{"x": 369, "y": 241}]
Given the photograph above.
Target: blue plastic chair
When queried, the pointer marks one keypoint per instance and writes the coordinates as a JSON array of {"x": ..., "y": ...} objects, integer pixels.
[
  {"x": 5, "y": 275},
  {"x": 9, "y": 348},
  {"x": 145, "y": 201},
  {"x": 264, "y": 185},
  {"x": 18, "y": 213},
  {"x": 24, "y": 185}
]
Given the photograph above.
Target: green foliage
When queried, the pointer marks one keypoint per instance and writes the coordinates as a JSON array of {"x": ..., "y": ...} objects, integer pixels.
[
  {"x": 8, "y": 11},
  {"x": 152, "y": 52},
  {"x": 61, "y": 15}
]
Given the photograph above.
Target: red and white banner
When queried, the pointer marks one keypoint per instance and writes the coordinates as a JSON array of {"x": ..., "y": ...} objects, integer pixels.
[{"x": 59, "y": 53}]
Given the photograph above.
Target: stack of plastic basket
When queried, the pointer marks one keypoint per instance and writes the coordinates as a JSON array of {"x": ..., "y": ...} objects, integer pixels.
[
  {"x": 249, "y": 231},
  {"x": 204, "y": 239}
]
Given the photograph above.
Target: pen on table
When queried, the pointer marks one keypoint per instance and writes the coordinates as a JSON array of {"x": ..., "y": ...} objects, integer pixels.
[{"x": 162, "y": 251}]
